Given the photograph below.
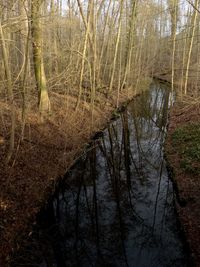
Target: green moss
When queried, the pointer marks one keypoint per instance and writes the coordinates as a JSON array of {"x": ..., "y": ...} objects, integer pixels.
[{"x": 186, "y": 141}]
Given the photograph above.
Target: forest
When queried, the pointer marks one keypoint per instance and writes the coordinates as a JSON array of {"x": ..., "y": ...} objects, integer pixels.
[{"x": 67, "y": 67}]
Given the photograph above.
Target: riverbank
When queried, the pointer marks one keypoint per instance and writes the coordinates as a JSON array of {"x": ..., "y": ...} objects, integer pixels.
[
  {"x": 119, "y": 190},
  {"x": 183, "y": 155},
  {"x": 47, "y": 150}
]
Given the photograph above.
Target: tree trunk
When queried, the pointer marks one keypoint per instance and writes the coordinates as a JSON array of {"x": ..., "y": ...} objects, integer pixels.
[
  {"x": 193, "y": 25},
  {"x": 44, "y": 103},
  {"x": 116, "y": 47}
]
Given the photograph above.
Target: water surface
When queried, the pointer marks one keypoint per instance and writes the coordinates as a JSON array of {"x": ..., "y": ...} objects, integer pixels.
[{"x": 116, "y": 205}]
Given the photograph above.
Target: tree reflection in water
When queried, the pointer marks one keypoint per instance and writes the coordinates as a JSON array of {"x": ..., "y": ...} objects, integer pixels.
[{"x": 115, "y": 207}]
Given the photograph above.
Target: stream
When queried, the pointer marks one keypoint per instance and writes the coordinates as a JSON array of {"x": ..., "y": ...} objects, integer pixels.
[{"x": 115, "y": 207}]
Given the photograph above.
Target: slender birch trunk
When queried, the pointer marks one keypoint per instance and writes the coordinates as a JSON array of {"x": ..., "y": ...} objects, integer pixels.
[
  {"x": 116, "y": 47},
  {"x": 193, "y": 25},
  {"x": 174, "y": 13},
  {"x": 83, "y": 61}
]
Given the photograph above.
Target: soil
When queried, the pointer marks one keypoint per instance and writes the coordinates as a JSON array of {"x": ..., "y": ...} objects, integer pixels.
[
  {"x": 47, "y": 150},
  {"x": 185, "y": 113}
]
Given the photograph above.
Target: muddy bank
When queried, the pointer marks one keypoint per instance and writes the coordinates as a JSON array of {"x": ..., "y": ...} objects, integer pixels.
[
  {"x": 45, "y": 153},
  {"x": 183, "y": 155}
]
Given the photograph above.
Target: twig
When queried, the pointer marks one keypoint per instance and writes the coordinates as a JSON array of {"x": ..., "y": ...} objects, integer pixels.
[{"x": 189, "y": 2}]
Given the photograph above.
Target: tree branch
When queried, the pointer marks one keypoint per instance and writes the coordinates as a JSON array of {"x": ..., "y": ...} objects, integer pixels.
[{"x": 189, "y": 2}]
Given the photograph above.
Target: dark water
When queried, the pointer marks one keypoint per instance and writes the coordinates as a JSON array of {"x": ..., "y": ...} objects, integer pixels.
[{"x": 115, "y": 207}]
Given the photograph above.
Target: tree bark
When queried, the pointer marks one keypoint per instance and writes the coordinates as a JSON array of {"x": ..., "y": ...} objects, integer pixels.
[
  {"x": 44, "y": 103},
  {"x": 193, "y": 25}
]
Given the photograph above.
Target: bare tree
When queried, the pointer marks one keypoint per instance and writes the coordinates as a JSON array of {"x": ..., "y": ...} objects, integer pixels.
[{"x": 44, "y": 103}]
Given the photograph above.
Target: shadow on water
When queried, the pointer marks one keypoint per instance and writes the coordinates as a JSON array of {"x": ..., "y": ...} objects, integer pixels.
[{"x": 115, "y": 207}]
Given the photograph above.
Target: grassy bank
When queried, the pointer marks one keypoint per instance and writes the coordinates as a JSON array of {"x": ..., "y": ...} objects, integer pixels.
[{"x": 186, "y": 141}]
